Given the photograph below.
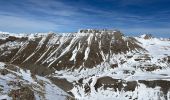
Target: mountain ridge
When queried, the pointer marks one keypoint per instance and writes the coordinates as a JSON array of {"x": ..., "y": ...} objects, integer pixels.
[{"x": 100, "y": 39}]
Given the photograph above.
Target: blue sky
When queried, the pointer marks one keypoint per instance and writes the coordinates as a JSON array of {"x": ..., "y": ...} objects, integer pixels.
[{"x": 130, "y": 16}]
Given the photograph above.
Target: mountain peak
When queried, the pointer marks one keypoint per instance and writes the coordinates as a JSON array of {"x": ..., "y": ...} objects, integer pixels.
[
  {"x": 147, "y": 36},
  {"x": 86, "y": 48},
  {"x": 96, "y": 31}
]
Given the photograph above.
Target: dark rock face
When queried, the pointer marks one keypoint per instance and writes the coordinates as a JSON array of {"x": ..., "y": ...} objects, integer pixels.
[
  {"x": 117, "y": 84},
  {"x": 24, "y": 93},
  {"x": 108, "y": 82},
  {"x": 62, "y": 83},
  {"x": 9, "y": 39},
  {"x": 148, "y": 36},
  {"x": 38, "y": 69},
  {"x": 131, "y": 86},
  {"x": 3, "y": 72},
  {"x": 143, "y": 57},
  {"x": 165, "y": 59},
  {"x": 87, "y": 88},
  {"x": 114, "y": 65},
  {"x": 168, "y": 59},
  {"x": 165, "y": 85}
]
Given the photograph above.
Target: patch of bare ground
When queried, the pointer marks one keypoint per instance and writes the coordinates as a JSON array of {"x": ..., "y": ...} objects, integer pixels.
[
  {"x": 62, "y": 83},
  {"x": 24, "y": 93},
  {"x": 38, "y": 69}
]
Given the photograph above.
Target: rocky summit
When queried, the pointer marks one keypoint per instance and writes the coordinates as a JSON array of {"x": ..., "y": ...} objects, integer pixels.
[{"x": 89, "y": 64}]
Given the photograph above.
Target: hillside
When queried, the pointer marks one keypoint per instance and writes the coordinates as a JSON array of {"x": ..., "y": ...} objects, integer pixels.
[{"x": 88, "y": 64}]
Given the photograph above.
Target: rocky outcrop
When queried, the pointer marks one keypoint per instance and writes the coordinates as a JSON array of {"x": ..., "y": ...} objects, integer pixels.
[
  {"x": 24, "y": 93},
  {"x": 108, "y": 82},
  {"x": 121, "y": 85},
  {"x": 147, "y": 36}
]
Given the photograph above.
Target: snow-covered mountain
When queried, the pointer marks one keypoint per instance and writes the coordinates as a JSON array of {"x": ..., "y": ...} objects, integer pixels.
[{"x": 89, "y": 64}]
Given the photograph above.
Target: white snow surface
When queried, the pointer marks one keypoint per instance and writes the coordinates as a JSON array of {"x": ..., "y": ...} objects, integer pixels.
[{"x": 48, "y": 89}]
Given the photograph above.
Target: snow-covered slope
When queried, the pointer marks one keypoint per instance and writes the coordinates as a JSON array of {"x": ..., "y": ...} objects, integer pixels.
[
  {"x": 93, "y": 64},
  {"x": 17, "y": 83}
]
